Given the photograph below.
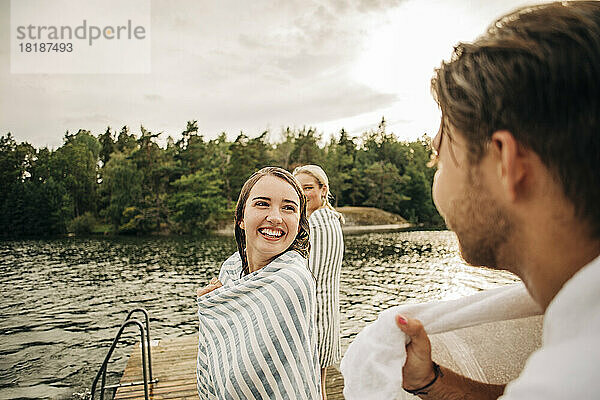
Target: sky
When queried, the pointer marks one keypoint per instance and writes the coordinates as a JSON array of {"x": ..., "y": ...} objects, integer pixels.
[{"x": 258, "y": 65}]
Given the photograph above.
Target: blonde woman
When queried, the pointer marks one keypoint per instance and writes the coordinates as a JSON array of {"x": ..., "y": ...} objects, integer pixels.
[{"x": 325, "y": 261}]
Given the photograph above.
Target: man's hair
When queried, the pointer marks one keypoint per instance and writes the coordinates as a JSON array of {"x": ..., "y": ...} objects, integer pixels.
[
  {"x": 535, "y": 73},
  {"x": 301, "y": 243}
]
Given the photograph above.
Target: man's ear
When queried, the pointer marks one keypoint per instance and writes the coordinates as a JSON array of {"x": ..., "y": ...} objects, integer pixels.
[
  {"x": 511, "y": 164},
  {"x": 241, "y": 224}
]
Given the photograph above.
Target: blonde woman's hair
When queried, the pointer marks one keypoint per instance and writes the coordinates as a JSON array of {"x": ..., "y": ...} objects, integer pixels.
[{"x": 321, "y": 177}]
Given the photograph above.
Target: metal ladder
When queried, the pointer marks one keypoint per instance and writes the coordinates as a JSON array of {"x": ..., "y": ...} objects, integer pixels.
[{"x": 145, "y": 345}]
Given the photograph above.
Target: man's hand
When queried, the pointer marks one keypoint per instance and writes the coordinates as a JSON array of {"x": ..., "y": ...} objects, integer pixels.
[
  {"x": 418, "y": 369},
  {"x": 214, "y": 284}
]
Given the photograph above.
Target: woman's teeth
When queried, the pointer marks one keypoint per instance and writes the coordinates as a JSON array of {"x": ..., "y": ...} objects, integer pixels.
[{"x": 275, "y": 233}]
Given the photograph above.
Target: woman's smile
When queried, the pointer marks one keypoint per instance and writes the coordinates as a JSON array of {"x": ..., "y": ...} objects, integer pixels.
[
  {"x": 271, "y": 220},
  {"x": 271, "y": 233}
]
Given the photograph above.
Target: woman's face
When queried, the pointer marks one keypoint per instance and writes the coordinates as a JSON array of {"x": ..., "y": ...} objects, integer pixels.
[
  {"x": 314, "y": 193},
  {"x": 271, "y": 220}
]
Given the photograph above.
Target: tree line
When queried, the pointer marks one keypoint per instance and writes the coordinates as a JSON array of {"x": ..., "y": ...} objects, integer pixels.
[{"x": 126, "y": 183}]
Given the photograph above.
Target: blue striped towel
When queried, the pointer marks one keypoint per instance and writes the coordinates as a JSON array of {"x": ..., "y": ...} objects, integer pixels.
[{"x": 257, "y": 334}]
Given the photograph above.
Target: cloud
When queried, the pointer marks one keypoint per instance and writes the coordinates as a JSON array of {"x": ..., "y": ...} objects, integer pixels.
[
  {"x": 376, "y": 5},
  {"x": 87, "y": 119},
  {"x": 153, "y": 97},
  {"x": 241, "y": 66}
]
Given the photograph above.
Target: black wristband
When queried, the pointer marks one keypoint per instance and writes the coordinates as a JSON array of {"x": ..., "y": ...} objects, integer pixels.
[{"x": 437, "y": 372}]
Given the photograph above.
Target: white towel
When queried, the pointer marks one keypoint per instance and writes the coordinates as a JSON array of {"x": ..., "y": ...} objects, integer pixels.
[
  {"x": 372, "y": 365},
  {"x": 257, "y": 335}
]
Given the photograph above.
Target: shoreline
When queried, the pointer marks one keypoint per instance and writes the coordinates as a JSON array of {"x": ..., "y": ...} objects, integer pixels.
[
  {"x": 229, "y": 231},
  {"x": 346, "y": 229}
]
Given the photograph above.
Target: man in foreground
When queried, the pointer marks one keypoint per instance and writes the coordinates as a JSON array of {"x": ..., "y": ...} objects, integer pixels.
[{"x": 518, "y": 180}]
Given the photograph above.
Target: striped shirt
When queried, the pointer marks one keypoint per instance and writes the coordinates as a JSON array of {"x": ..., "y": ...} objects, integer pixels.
[
  {"x": 256, "y": 335},
  {"x": 325, "y": 262}
]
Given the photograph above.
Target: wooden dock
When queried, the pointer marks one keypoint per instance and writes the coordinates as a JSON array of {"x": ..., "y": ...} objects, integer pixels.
[{"x": 174, "y": 364}]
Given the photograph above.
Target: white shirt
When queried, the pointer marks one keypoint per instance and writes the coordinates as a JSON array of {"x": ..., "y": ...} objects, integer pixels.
[{"x": 567, "y": 366}]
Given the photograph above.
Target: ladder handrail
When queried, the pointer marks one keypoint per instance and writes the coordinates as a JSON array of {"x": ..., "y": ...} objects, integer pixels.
[
  {"x": 128, "y": 321},
  {"x": 147, "y": 317}
]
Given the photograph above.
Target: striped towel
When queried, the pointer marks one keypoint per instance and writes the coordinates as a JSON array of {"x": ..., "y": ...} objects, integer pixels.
[
  {"x": 325, "y": 262},
  {"x": 257, "y": 334}
]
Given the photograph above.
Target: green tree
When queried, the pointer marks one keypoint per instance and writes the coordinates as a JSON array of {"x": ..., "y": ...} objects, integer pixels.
[
  {"x": 107, "y": 145},
  {"x": 338, "y": 165},
  {"x": 126, "y": 142},
  {"x": 155, "y": 168},
  {"x": 122, "y": 185},
  {"x": 420, "y": 208},
  {"x": 191, "y": 149},
  {"x": 75, "y": 165},
  {"x": 218, "y": 160},
  {"x": 197, "y": 204},
  {"x": 141, "y": 187},
  {"x": 281, "y": 152},
  {"x": 385, "y": 184},
  {"x": 247, "y": 156},
  {"x": 306, "y": 148},
  {"x": 137, "y": 221},
  {"x": 31, "y": 202}
]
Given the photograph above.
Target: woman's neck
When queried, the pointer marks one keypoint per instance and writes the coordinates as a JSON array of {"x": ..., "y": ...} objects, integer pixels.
[
  {"x": 309, "y": 213},
  {"x": 255, "y": 265}
]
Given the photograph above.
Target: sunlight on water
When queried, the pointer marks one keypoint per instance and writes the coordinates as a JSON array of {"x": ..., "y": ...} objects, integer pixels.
[
  {"x": 382, "y": 270},
  {"x": 65, "y": 299}
]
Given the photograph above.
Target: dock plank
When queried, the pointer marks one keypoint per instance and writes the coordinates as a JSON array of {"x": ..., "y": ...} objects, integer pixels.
[{"x": 174, "y": 364}]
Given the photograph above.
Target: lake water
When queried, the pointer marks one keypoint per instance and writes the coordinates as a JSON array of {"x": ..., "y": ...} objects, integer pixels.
[{"x": 64, "y": 299}]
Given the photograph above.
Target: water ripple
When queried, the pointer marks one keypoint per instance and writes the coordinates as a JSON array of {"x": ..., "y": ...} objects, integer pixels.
[{"x": 65, "y": 299}]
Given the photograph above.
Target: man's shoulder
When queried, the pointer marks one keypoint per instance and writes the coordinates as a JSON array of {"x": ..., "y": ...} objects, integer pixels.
[
  {"x": 566, "y": 364},
  {"x": 575, "y": 310},
  {"x": 565, "y": 370}
]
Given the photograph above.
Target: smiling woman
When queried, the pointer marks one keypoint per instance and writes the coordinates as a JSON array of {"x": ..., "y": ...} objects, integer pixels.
[
  {"x": 270, "y": 217},
  {"x": 257, "y": 327}
]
